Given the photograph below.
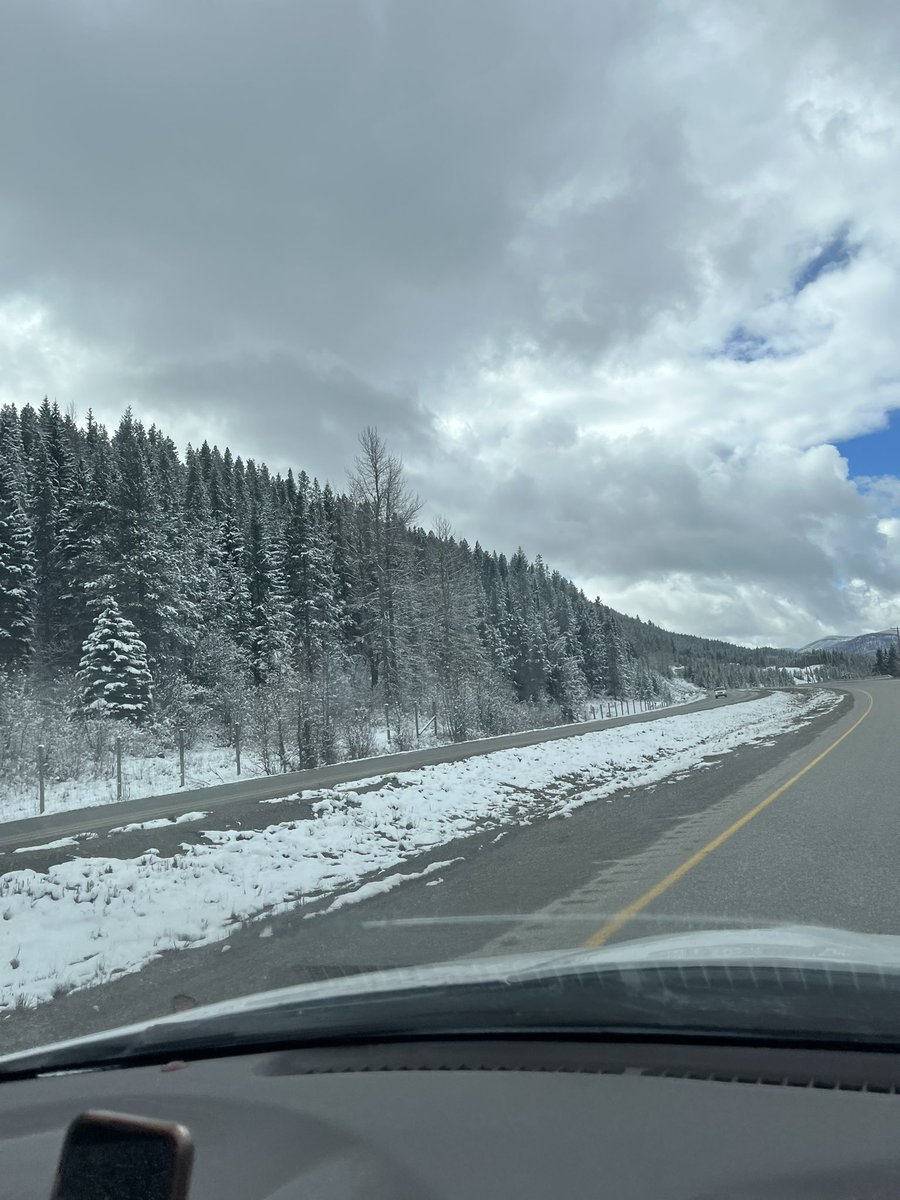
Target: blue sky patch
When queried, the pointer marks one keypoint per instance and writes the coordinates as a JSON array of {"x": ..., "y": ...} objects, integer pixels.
[
  {"x": 835, "y": 255},
  {"x": 744, "y": 346},
  {"x": 874, "y": 453}
]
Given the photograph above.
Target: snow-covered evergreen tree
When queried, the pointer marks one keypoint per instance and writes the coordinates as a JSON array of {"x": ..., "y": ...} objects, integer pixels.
[
  {"x": 312, "y": 587},
  {"x": 16, "y": 564},
  {"x": 12, "y": 453},
  {"x": 84, "y": 549},
  {"x": 268, "y": 637},
  {"x": 618, "y": 663},
  {"x": 232, "y": 604},
  {"x": 113, "y": 676},
  {"x": 143, "y": 566},
  {"x": 45, "y": 528}
]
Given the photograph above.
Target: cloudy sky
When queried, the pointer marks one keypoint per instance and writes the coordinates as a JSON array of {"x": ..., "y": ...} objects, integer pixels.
[{"x": 620, "y": 281}]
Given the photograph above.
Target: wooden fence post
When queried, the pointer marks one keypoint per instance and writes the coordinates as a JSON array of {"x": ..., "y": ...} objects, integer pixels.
[
  {"x": 416, "y": 714},
  {"x": 181, "y": 754},
  {"x": 118, "y": 768},
  {"x": 237, "y": 747}
]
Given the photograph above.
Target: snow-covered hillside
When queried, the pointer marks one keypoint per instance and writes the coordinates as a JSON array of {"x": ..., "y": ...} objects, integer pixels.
[
  {"x": 858, "y": 643},
  {"x": 826, "y": 643}
]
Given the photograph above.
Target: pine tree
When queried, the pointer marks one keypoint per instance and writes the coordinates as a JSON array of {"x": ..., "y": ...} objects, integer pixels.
[
  {"x": 12, "y": 454},
  {"x": 84, "y": 550},
  {"x": 232, "y": 595},
  {"x": 29, "y": 431},
  {"x": 55, "y": 435},
  {"x": 618, "y": 670},
  {"x": 892, "y": 661},
  {"x": 296, "y": 572},
  {"x": 142, "y": 563},
  {"x": 197, "y": 509},
  {"x": 312, "y": 586},
  {"x": 44, "y": 525},
  {"x": 198, "y": 552},
  {"x": 265, "y": 584},
  {"x": 531, "y": 671},
  {"x": 16, "y": 570},
  {"x": 113, "y": 675},
  {"x": 452, "y": 616},
  {"x": 880, "y": 668}
]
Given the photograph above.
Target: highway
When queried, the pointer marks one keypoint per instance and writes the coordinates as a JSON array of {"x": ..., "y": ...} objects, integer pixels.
[
  {"x": 825, "y": 850},
  {"x": 815, "y": 839},
  {"x": 805, "y": 828},
  {"x": 227, "y": 796}
]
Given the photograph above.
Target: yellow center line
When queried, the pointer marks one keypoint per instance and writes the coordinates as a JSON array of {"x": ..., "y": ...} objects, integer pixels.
[{"x": 615, "y": 923}]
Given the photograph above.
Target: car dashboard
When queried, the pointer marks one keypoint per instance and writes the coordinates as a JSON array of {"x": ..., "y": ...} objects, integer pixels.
[{"x": 494, "y": 1118}]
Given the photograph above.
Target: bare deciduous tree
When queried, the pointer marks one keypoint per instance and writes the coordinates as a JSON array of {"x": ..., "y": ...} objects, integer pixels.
[{"x": 385, "y": 508}]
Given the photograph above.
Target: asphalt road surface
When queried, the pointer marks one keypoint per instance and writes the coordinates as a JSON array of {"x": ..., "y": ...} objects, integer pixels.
[
  {"x": 826, "y": 851},
  {"x": 222, "y": 797},
  {"x": 804, "y": 828}
]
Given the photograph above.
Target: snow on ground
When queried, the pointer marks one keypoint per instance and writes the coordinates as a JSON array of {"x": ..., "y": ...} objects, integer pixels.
[
  {"x": 683, "y": 691},
  {"x": 809, "y": 674},
  {"x": 160, "y": 823},
  {"x": 205, "y": 766},
  {"x": 89, "y": 919},
  {"x": 377, "y": 887},
  {"x": 59, "y": 844},
  {"x": 142, "y": 776}
]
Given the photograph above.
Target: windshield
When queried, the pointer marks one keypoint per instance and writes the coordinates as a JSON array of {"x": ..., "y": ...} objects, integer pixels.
[{"x": 448, "y": 502}]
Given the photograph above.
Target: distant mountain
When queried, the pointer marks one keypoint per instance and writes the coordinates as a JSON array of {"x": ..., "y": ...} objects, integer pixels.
[
  {"x": 860, "y": 643},
  {"x": 827, "y": 643}
]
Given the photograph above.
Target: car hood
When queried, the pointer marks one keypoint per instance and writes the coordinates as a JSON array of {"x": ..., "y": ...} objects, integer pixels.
[
  {"x": 818, "y": 953},
  {"x": 807, "y": 946}
]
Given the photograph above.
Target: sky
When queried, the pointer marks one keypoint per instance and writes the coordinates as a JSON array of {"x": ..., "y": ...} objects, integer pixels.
[
  {"x": 874, "y": 455},
  {"x": 618, "y": 281}
]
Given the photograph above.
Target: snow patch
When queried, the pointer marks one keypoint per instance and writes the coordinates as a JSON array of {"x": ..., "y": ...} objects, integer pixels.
[
  {"x": 160, "y": 822},
  {"x": 57, "y": 845},
  {"x": 379, "y": 886}
]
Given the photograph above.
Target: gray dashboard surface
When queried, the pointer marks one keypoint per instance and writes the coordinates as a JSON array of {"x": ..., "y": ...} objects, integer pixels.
[{"x": 298, "y": 1124}]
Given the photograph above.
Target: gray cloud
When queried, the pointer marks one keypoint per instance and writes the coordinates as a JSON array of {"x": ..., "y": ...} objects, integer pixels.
[
  {"x": 322, "y": 172},
  {"x": 320, "y": 408},
  {"x": 509, "y": 234}
]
